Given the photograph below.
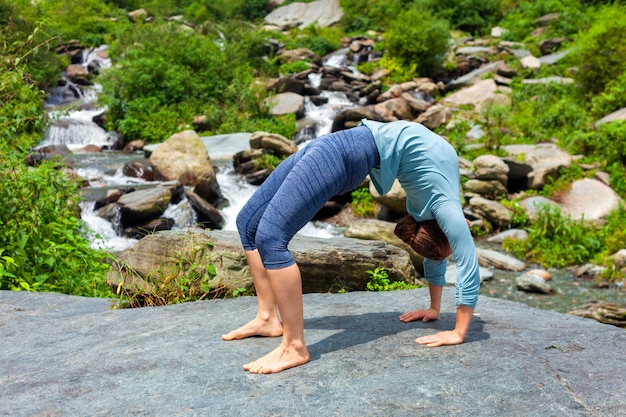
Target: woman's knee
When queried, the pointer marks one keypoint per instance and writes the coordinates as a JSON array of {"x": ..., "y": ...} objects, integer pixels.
[
  {"x": 246, "y": 233},
  {"x": 273, "y": 249}
]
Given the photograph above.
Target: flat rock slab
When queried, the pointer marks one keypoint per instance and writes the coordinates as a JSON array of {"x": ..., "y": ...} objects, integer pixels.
[{"x": 71, "y": 356}]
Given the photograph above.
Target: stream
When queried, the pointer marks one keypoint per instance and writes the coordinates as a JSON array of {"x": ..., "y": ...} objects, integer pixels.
[{"x": 103, "y": 171}]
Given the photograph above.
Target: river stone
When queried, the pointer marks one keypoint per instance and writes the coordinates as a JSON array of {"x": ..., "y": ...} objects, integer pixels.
[
  {"x": 323, "y": 13},
  {"x": 224, "y": 147},
  {"x": 530, "y": 62},
  {"x": 533, "y": 205},
  {"x": 207, "y": 214},
  {"x": 474, "y": 95},
  {"x": 491, "y": 210},
  {"x": 491, "y": 167},
  {"x": 278, "y": 144},
  {"x": 530, "y": 282},
  {"x": 549, "y": 80},
  {"x": 488, "y": 257},
  {"x": 517, "y": 234},
  {"x": 139, "y": 168},
  {"x": 589, "y": 199},
  {"x": 286, "y": 103},
  {"x": 491, "y": 188},
  {"x": 393, "y": 109},
  {"x": 183, "y": 157},
  {"x": 435, "y": 116},
  {"x": 619, "y": 259},
  {"x": 143, "y": 205},
  {"x": 473, "y": 77}
]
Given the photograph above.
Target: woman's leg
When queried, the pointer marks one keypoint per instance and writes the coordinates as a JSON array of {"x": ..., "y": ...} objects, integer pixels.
[
  {"x": 266, "y": 323},
  {"x": 292, "y": 350}
]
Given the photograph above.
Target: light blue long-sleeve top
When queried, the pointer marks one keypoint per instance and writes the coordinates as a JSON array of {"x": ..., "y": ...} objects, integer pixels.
[{"x": 427, "y": 167}]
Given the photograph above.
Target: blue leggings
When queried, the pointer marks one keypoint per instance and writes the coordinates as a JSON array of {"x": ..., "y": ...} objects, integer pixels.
[{"x": 299, "y": 187}]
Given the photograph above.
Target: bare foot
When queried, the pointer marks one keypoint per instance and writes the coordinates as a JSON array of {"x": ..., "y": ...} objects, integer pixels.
[
  {"x": 281, "y": 358},
  {"x": 256, "y": 327}
]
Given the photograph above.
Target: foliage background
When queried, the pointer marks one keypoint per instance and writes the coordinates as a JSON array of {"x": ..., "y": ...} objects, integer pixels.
[{"x": 165, "y": 73}]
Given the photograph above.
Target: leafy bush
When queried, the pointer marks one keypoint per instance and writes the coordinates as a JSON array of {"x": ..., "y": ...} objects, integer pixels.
[
  {"x": 221, "y": 10},
  {"x": 473, "y": 16},
  {"x": 163, "y": 77},
  {"x": 41, "y": 243},
  {"x": 41, "y": 235},
  {"x": 600, "y": 52},
  {"x": 520, "y": 20},
  {"x": 363, "y": 203},
  {"x": 317, "y": 39},
  {"x": 293, "y": 67},
  {"x": 611, "y": 99},
  {"x": 379, "y": 281},
  {"x": 556, "y": 240},
  {"x": 422, "y": 45},
  {"x": 541, "y": 112}
]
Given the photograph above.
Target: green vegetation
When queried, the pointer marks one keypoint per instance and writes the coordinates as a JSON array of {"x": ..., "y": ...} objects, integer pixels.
[
  {"x": 42, "y": 243},
  {"x": 363, "y": 204},
  {"x": 190, "y": 278},
  {"x": 379, "y": 281},
  {"x": 211, "y": 61}
]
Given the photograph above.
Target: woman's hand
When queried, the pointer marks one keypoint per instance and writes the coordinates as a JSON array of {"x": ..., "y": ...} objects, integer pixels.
[{"x": 424, "y": 315}]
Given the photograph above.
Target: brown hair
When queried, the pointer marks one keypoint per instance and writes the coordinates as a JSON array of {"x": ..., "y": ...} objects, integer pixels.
[{"x": 426, "y": 238}]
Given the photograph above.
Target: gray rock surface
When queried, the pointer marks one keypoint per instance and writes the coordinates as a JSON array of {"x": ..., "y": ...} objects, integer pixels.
[
  {"x": 70, "y": 356},
  {"x": 321, "y": 12}
]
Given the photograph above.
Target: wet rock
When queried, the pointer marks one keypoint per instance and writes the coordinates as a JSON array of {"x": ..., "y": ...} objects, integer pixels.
[
  {"x": 488, "y": 257},
  {"x": 207, "y": 215},
  {"x": 142, "y": 205},
  {"x": 139, "y": 168},
  {"x": 531, "y": 282}
]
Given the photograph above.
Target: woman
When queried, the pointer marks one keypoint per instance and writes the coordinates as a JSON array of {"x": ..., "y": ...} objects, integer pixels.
[{"x": 427, "y": 168}]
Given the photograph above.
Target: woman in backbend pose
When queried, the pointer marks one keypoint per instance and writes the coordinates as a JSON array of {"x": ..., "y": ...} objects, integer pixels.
[{"x": 427, "y": 168}]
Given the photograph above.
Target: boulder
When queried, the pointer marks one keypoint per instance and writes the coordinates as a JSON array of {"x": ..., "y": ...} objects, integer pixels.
[
  {"x": 545, "y": 160},
  {"x": 182, "y": 157},
  {"x": 323, "y": 13},
  {"x": 325, "y": 264},
  {"x": 488, "y": 257},
  {"x": 395, "y": 199},
  {"x": 278, "y": 144},
  {"x": 491, "y": 167},
  {"x": 588, "y": 199},
  {"x": 491, "y": 210},
  {"x": 474, "y": 95},
  {"x": 286, "y": 103},
  {"x": 143, "y": 205}
]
